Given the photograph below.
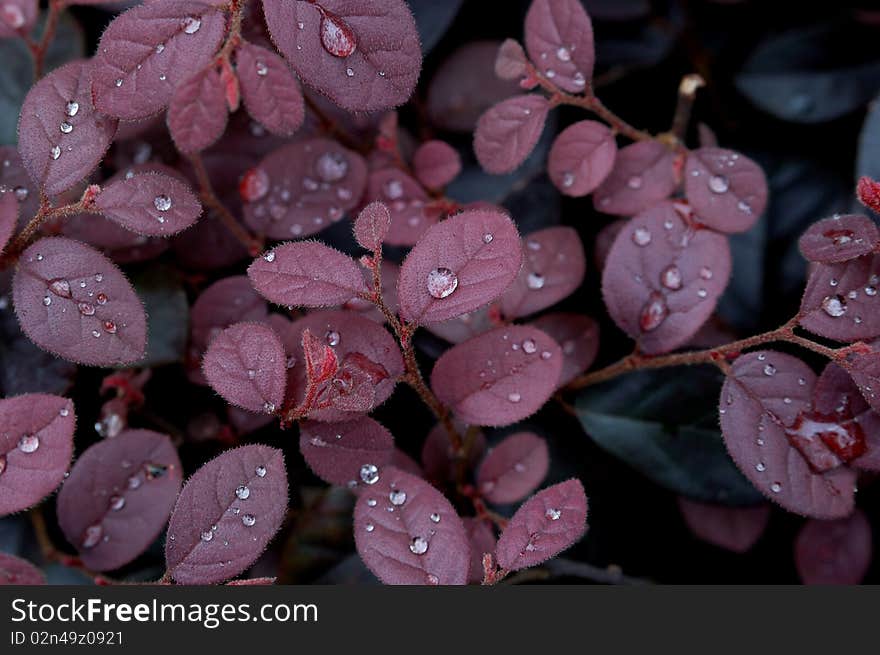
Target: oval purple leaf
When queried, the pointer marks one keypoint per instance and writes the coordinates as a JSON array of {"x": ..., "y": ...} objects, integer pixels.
[
  {"x": 197, "y": 113},
  {"x": 338, "y": 452},
  {"x": 727, "y": 190},
  {"x": 372, "y": 225},
  {"x": 458, "y": 266},
  {"x": 510, "y": 64},
  {"x": 546, "y": 524},
  {"x": 733, "y": 528},
  {"x": 225, "y": 302},
  {"x": 643, "y": 174},
  {"x": 837, "y": 552},
  {"x": 408, "y": 533},
  {"x": 306, "y": 274},
  {"x": 499, "y": 377},
  {"x": 436, "y": 164},
  {"x": 148, "y": 50},
  {"x": 36, "y": 444},
  {"x": 151, "y": 204},
  {"x": 514, "y": 468},
  {"x": 269, "y": 89},
  {"x": 226, "y": 515},
  {"x": 840, "y": 301},
  {"x": 73, "y": 302},
  {"x": 301, "y": 188},
  {"x": 507, "y": 133},
  {"x": 364, "y": 55},
  {"x": 839, "y": 239},
  {"x": 577, "y": 335},
  {"x": 559, "y": 39},
  {"x": 441, "y": 461},
  {"x": 554, "y": 266},
  {"x": 61, "y": 137},
  {"x": 17, "y": 571},
  {"x": 766, "y": 421},
  {"x": 118, "y": 497},
  {"x": 663, "y": 277},
  {"x": 406, "y": 201},
  {"x": 15, "y": 178},
  {"x": 581, "y": 158},
  {"x": 246, "y": 365}
]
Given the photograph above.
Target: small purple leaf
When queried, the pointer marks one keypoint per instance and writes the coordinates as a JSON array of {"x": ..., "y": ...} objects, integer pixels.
[
  {"x": 338, "y": 452},
  {"x": 269, "y": 89},
  {"x": 407, "y": 532},
  {"x": 151, "y": 204},
  {"x": 36, "y": 444},
  {"x": 553, "y": 268},
  {"x": 514, "y": 468},
  {"x": 226, "y": 515},
  {"x": 17, "y": 571},
  {"x": 436, "y": 164},
  {"x": 148, "y": 50},
  {"x": 306, "y": 274},
  {"x": 507, "y": 133},
  {"x": 510, "y": 64},
  {"x": 73, "y": 302},
  {"x": 118, "y": 497},
  {"x": 372, "y": 225},
  {"x": 197, "y": 113},
  {"x": 499, "y": 377},
  {"x": 459, "y": 265},
  {"x": 733, "y": 528},
  {"x": 405, "y": 199},
  {"x": 841, "y": 300},
  {"x": 643, "y": 174},
  {"x": 839, "y": 239},
  {"x": 864, "y": 368},
  {"x": 225, "y": 302},
  {"x": 246, "y": 365},
  {"x": 559, "y": 39},
  {"x": 727, "y": 190},
  {"x": 836, "y": 552},
  {"x": 61, "y": 137},
  {"x": 8, "y": 216},
  {"x": 546, "y": 524},
  {"x": 577, "y": 335},
  {"x": 581, "y": 158}
]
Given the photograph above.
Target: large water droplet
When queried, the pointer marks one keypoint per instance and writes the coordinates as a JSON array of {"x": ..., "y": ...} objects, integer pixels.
[
  {"x": 718, "y": 184},
  {"x": 369, "y": 473},
  {"x": 162, "y": 203},
  {"x": 769, "y": 370},
  {"x": 641, "y": 236},
  {"x": 331, "y": 166},
  {"x": 834, "y": 306},
  {"x": 653, "y": 313},
  {"x": 248, "y": 520},
  {"x": 332, "y": 338},
  {"x": 260, "y": 471},
  {"x": 441, "y": 282},
  {"x": 336, "y": 36},
  {"x": 65, "y": 127},
  {"x": 671, "y": 277},
  {"x": 553, "y": 514},
  {"x": 397, "y": 497},
  {"x": 207, "y": 535},
  {"x": 191, "y": 24},
  {"x": 242, "y": 493},
  {"x": 28, "y": 443},
  {"x": 529, "y": 346},
  {"x": 419, "y": 546},
  {"x": 535, "y": 281},
  {"x": 60, "y": 287}
]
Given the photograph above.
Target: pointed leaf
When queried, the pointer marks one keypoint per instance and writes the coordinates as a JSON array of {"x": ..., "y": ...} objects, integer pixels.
[
  {"x": 499, "y": 377},
  {"x": 407, "y": 532},
  {"x": 73, "y": 302},
  {"x": 459, "y": 265},
  {"x": 118, "y": 497},
  {"x": 839, "y": 239},
  {"x": 371, "y": 226},
  {"x": 581, "y": 158},
  {"x": 225, "y": 302},
  {"x": 837, "y": 552},
  {"x": 337, "y": 452},
  {"x": 514, "y": 468},
  {"x": 436, "y": 164},
  {"x": 643, "y": 174},
  {"x": 36, "y": 444},
  {"x": 508, "y": 132},
  {"x": 151, "y": 204},
  {"x": 17, "y": 571},
  {"x": 226, "y": 515},
  {"x": 841, "y": 300},
  {"x": 559, "y": 39},
  {"x": 269, "y": 89},
  {"x": 733, "y": 528},
  {"x": 197, "y": 113},
  {"x": 511, "y": 61},
  {"x": 577, "y": 335},
  {"x": 546, "y": 524}
]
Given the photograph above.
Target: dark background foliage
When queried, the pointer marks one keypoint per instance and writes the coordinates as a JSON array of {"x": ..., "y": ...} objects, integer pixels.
[{"x": 791, "y": 88}]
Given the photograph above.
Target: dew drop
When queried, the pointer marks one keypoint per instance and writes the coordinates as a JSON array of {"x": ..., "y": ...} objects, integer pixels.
[
  {"x": 671, "y": 277},
  {"x": 86, "y": 309},
  {"x": 641, "y": 236},
  {"x": 269, "y": 256},
  {"x": 435, "y": 518},
  {"x": 191, "y": 24},
  {"x": 248, "y": 520},
  {"x": 336, "y": 36},
  {"x": 162, "y": 203},
  {"x": 514, "y": 397},
  {"x": 487, "y": 238},
  {"x": 242, "y": 493},
  {"x": 369, "y": 527},
  {"x": 371, "y": 502},
  {"x": 718, "y": 184},
  {"x": 760, "y": 467},
  {"x": 28, "y": 443},
  {"x": 706, "y": 273},
  {"x": 769, "y": 370},
  {"x": 419, "y": 546},
  {"x": 535, "y": 281},
  {"x": 397, "y": 497},
  {"x": 563, "y": 54},
  {"x": 118, "y": 82},
  {"x": 65, "y": 127},
  {"x": 776, "y": 487},
  {"x": 55, "y": 152},
  {"x": 117, "y": 502},
  {"x": 207, "y": 535},
  {"x": 653, "y": 313},
  {"x": 834, "y": 306},
  {"x": 262, "y": 69},
  {"x": 21, "y": 193},
  {"x": 110, "y": 327},
  {"x": 393, "y": 189},
  {"x": 260, "y": 471},
  {"x": 92, "y": 536},
  {"x": 441, "y": 282},
  {"x": 331, "y": 166},
  {"x": 552, "y": 513},
  {"x": 47, "y": 300},
  {"x": 529, "y": 346},
  {"x": 60, "y": 287},
  {"x": 635, "y": 182},
  {"x": 369, "y": 473},
  {"x": 160, "y": 48}
]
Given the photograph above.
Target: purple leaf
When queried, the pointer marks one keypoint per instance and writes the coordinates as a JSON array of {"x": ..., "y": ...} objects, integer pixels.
[
  {"x": 17, "y": 571},
  {"x": 514, "y": 468},
  {"x": 559, "y": 39},
  {"x": 226, "y": 515},
  {"x": 482, "y": 540},
  {"x": 73, "y": 302},
  {"x": 338, "y": 452},
  {"x": 269, "y": 89},
  {"x": 499, "y": 377},
  {"x": 436, "y": 164},
  {"x": 301, "y": 188},
  {"x": 733, "y": 528},
  {"x": 61, "y": 137},
  {"x": 459, "y": 265},
  {"x": 545, "y": 525},
  {"x": 581, "y": 158},
  {"x": 577, "y": 335},
  {"x": 407, "y": 532},
  {"x": 151, "y": 204},
  {"x": 510, "y": 64},
  {"x": 864, "y": 368},
  {"x": 225, "y": 302},
  {"x": 197, "y": 113},
  {"x": 834, "y": 552},
  {"x": 604, "y": 241},
  {"x": 440, "y": 460},
  {"x": 840, "y": 301},
  {"x": 118, "y": 497},
  {"x": 554, "y": 266},
  {"x": 461, "y": 328},
  {"x": 763, "y": 409},
  {"x": 246, "y": 365},
  {"x": 353, "y": 338},
  {"x": 17, "y": 17},
  {"x": 8, "y": 217},
  {"x": 839, "y": 239},
  {"x": 372, "y": 225},
  {"x": 663, "y": 277},
  {"x": 507, "y": 133},
  {"x": 36, "y": 444},
  {"x": 406, "y": 201},
  {"x": 148, "y": 50},
  {"x": 643, "y": 174},
  {"x": 363, "y": 54},
  {"x": 727, "y": 190},
  {"x": 306, "y": 274}
]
